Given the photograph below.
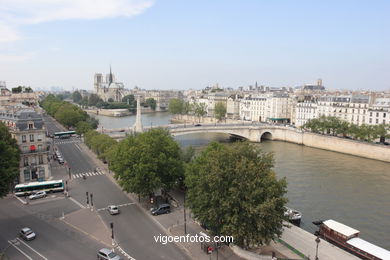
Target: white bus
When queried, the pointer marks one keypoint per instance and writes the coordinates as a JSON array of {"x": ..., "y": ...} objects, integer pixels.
[{"x": 30, "y": 187}]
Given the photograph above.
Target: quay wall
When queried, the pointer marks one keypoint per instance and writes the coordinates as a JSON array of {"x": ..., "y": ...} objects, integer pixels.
[{"x": 332, "y": 143}]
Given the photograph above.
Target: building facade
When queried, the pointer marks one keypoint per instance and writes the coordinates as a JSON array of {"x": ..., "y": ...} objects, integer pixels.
[{"x": 28, "y": 128}]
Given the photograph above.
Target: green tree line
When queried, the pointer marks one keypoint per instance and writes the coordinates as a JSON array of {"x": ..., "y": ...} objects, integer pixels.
[
  {"x": 67, "y": 114},
  {"x": 334, "y": 126},
  {"x": 9, "y": 160}
]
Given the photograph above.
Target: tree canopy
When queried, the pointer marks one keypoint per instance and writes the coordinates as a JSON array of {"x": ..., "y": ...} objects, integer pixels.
[
  {"x": 76, "y": 96},
  {"x": 151, "y": 102},
  {"x": 9, "y": 160},
  {"x": 175, "y": 106},
  {"x": 219, "y": 111},
  {"x": 335, "y": 126},
  {"x": 233, "y": 190},
  {"x": 146, "y": 162}
]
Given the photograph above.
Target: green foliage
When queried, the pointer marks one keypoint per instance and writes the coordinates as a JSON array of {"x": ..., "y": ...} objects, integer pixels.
[
  {"x": 200, "y": 109},
  {"x": 219, "y": 111},
  {"x": 151, "y": 102},
  {"x": 9, "y": 160},
  {"x": 146, "y": 162},
  {"x": 129, "y": 99},
  {"x": 83, "y": 127},
  {"x": 188, "y": 154},
  {"x": 66, "y": 113},
  {"x": 17, "y": 90},
  {"x": 175, "y": 106},
  {"x": 234, "y": 191},
  {"x": 187, "y": 108},
  {"x": 94, "y": 99},
  {"x": 335, "y": 126},
  {"x": 101, "y": 144},
  {"x": 76, "y": 97},
  {"x": 110, "y": 100}
]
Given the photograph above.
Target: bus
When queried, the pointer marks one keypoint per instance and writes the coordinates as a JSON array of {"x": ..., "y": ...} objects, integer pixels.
[
  {"x": 30, "y": 187},
  {"x": 64, "y": 134}
]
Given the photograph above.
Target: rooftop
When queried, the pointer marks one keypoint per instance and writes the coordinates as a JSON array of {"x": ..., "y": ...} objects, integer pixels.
[
  {"x": 369, "y": 248},
  {"x": 340, "y": 228}
]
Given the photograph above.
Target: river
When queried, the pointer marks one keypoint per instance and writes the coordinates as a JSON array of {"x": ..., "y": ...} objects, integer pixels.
[{"x": 321, "y": 184}]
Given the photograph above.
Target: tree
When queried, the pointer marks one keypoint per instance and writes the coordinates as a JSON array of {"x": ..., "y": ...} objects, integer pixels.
[
  {"x": 234, "y": 191},
  {"x": 200, "y": 109},
  {"x": 219, "y": 111},
  {"x": 175, "y": 106},
  {"x": 76, "y": 96},
  {"x": 110, "y": 100},
  {"x": 146, "y": 162},
  {"x": 17, "y": 90},
  {"x": 187, "y": 108},
  {"x": 129, "y": 99},
  {"x": 83, "y": 127},
  {"x": 9, "y": 160},
  {"x": 93, "y": 100},
  {"x": 151, "y": 102}
]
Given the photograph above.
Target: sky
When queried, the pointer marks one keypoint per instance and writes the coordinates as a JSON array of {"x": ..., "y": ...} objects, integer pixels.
[{"x": 173, "y": 44}]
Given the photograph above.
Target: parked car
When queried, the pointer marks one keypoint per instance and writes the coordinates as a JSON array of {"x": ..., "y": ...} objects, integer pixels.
[
  {"x": 27, "y": 234},
  {"x": 198, "y": 125},
  {"x": 113, "y": 210},
  {"x": 107, "y": 254},
  {"x": 161, "y": 209},
  {"x": 37, "y": 195}
]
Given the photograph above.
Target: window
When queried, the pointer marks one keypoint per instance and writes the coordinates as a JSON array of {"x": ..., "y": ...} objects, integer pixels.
[
  {"x": 384, "y": 114},
  {"x": 377, "y": 121},
  {"x": 39, "y": 137},
  {"x": 39, "y": 147},
  {"x": 370, "y": 113},
  {"x": 370, "y": 120},
  {"x": 26, "y": 175},
  {"x": 23, "y": 138},
  {"x": 377, "y": 114},
  {"x": 31, "y": 138},
  {"x": 30, "y": 126},
  {"x": 33, "y": 160},
  {"x": 40, "y": 159},
  {"x": 25, "y": 149},
  {"x": 25, "y": 161},
  {"x": 384, "y": 121}
]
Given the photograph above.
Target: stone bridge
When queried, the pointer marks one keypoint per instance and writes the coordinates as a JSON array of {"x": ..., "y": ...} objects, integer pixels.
[{"x": 251, "y": 132}]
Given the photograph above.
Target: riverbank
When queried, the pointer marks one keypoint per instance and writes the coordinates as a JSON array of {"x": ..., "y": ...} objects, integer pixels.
[
  {"x": 297, "y": 136},
  {"x": 118, "y": 112}
]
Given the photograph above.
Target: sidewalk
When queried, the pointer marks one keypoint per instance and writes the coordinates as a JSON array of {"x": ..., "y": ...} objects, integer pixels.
[{"x": 89, "y": 223}]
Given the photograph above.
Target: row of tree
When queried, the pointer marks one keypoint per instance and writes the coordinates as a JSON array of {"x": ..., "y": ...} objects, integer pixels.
[
  {"x": 128, "y": 102},
  {"x": 334, "y": 126},
  {"x": 9, "y": 160},
  {"x": 231, "y": 189},
  {"x": 66, "y": 113},
  {"x": 180, "y": 107},
  {"x": 101, "y": 144}
]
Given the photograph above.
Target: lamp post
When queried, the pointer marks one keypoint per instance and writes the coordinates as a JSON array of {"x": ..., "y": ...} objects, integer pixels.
[{"x": 318, "y": 242}]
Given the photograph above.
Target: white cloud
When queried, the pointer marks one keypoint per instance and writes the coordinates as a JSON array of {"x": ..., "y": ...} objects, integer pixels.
[
  {"x": 8, "y": 33},
  {"x": 14, "y": 13}
]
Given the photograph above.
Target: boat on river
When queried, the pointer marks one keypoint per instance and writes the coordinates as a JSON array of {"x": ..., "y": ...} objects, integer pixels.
[
  {"x": 294, "y": 216},
  {"x": 348, "y": 239}
]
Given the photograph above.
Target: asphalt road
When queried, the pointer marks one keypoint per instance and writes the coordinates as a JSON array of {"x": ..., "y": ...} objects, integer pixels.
[
  {"x": 134, "y": 231},
  {"x": 54, "y": 239}
]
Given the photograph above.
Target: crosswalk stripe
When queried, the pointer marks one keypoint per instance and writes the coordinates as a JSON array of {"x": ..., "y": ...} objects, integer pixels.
[
  {"x": 73, "y": 176},
  {"x": 77, "y": 175}
]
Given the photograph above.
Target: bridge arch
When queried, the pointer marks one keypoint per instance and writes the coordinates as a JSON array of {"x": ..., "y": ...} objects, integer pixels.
[{"x": 266, "y": 135}]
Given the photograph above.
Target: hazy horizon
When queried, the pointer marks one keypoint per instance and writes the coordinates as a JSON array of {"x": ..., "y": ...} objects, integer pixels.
[{"x": 193, "y": 44}]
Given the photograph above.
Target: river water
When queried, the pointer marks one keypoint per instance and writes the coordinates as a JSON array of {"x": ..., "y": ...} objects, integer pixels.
[{"x": 321, "y": 184}]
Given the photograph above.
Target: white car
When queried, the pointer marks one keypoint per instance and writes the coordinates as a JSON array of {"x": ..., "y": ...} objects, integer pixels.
[
  {"x": 113, "y": 210},
  {"x": 107, "y": 254},
  {"x": 37, "y": 195},
  {"x": 27, "y": 234}
]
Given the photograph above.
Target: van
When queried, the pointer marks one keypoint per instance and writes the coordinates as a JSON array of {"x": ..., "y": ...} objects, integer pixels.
[{"x": 161, "y": 209}]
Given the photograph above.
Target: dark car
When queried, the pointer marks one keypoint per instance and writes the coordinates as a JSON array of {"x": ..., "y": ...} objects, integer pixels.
[
  {"x": 161, "y": 209},
  {"x": 198, "y": 125}
]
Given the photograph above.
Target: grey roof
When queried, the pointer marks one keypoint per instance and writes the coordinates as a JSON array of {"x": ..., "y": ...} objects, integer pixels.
[{"x": 25, "y": 116}]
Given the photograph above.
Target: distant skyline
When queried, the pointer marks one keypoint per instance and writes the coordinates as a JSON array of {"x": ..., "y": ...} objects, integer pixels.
[{"x": 193, "y": 44}]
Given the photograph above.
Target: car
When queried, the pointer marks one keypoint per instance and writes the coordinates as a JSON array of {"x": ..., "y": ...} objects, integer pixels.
[
  {"x": 107, "y": 254},
  {"x": 27, "y": 234},
  {"x": 161, "y": 209},
  {"x": 113, "y": 209},
  {"x": 197, "y": 125},
  {"x": 37, "y": 195}
]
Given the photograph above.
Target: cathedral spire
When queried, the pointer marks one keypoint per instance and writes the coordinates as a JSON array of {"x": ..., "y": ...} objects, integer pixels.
[{"x": 110, "y": 77}]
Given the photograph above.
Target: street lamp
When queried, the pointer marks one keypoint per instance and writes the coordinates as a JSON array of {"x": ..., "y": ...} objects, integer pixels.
[{"x": 318, "y": 242}]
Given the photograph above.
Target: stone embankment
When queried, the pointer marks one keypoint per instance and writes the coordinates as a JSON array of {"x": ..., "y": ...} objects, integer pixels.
[{"x": 293, "y": 135}]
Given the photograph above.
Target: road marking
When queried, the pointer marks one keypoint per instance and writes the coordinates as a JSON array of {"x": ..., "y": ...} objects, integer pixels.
[
  {"x": 125, "y": 254},
  {"x": 122, "y": 205},
  {"x": 94, "y": 173},
  {"x": 76, "y": 175},
  {"x": 24, "y": 202},
  {"x": 77, "y": 146},
  {"x": 32, "y": 249},
  {"x": 20, "y": 250},
  {"x": 78, "y": 203}
]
